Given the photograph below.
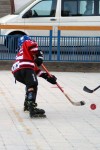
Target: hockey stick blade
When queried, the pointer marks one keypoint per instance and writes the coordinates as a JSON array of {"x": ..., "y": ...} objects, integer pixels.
[
  {"x": 86, "y": 89},
  {"x": 80, "y": 103}
]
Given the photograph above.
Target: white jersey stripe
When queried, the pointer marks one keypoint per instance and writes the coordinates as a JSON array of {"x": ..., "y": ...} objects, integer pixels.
[{"x": 26, "y": 63}]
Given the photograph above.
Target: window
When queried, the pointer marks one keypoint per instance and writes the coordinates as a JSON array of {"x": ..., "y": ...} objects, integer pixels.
[
  {"x": 99, "y": 7},
  {"x": 68, "y": 9},
  {"x": 88, "y": 8},
  {"x": 80, "y": 8},
  {"x": 45, "y": 8}
]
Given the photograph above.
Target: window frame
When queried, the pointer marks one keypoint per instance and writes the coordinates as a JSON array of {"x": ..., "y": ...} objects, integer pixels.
[{"x": 96, "y": 8}]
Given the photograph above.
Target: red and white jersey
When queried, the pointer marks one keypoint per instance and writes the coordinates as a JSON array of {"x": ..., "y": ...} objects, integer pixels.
[{"x": 25, "y": 57}]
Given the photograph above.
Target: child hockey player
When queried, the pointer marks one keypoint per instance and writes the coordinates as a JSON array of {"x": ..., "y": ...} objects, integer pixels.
[{"x": 25, "y": 70}]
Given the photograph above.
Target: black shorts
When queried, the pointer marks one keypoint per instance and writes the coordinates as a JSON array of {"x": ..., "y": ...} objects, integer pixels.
[{"x": 26, "y": 76}]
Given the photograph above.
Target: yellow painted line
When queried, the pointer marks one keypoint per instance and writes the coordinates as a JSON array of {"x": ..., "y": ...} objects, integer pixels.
[
  {"x": 95, "y": 28},
  {"x": 31, "y": 27},
  {"x": 27, "y": 27},
  {"x": 19, "y": 118}
]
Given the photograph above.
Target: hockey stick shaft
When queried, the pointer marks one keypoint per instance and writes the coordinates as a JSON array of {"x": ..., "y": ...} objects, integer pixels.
[
  {"x": 96, "y": 88},
  {"x": 74, "y": 103}
]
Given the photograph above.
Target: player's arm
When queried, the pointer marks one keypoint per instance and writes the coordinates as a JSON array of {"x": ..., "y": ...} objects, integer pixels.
[
  {"x": 37, "y": 54},
  {"x": 39, "y": 58}
]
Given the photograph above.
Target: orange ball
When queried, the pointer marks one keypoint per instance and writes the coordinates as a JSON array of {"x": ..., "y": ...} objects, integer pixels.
[{"x": 93, "y": 106}]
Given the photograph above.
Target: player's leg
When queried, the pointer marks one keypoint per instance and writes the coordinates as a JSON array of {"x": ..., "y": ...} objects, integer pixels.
[
  {"x": 32, "y": 84},
  {"x": 32, "y": 105}
]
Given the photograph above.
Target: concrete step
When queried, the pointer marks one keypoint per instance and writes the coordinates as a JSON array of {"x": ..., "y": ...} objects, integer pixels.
[{"x": 59, "y": 66}]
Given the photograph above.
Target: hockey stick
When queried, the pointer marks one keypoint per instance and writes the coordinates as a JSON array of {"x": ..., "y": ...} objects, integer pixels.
[
  {"x": 80, "y": 103},
  {"x": 86, "y": 89}
]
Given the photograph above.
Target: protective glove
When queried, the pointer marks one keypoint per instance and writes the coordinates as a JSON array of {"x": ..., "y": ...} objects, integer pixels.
[
  {"x": 38, "y": 61},
  {"x": 52, "y": 79}
]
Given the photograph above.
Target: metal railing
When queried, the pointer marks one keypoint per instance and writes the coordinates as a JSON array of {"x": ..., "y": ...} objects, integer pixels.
[{"x": 59, "y": 48}]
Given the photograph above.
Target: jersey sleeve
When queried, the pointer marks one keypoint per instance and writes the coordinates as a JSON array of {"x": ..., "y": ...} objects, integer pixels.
[{"x": 32, "y": 47}]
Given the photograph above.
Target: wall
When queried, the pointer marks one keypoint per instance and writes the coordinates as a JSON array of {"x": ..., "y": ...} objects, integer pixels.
[{"x": 5, "y": 7}]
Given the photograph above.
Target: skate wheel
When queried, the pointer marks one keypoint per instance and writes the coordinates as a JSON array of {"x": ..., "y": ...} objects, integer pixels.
[{"x": 38, "y": 116}]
